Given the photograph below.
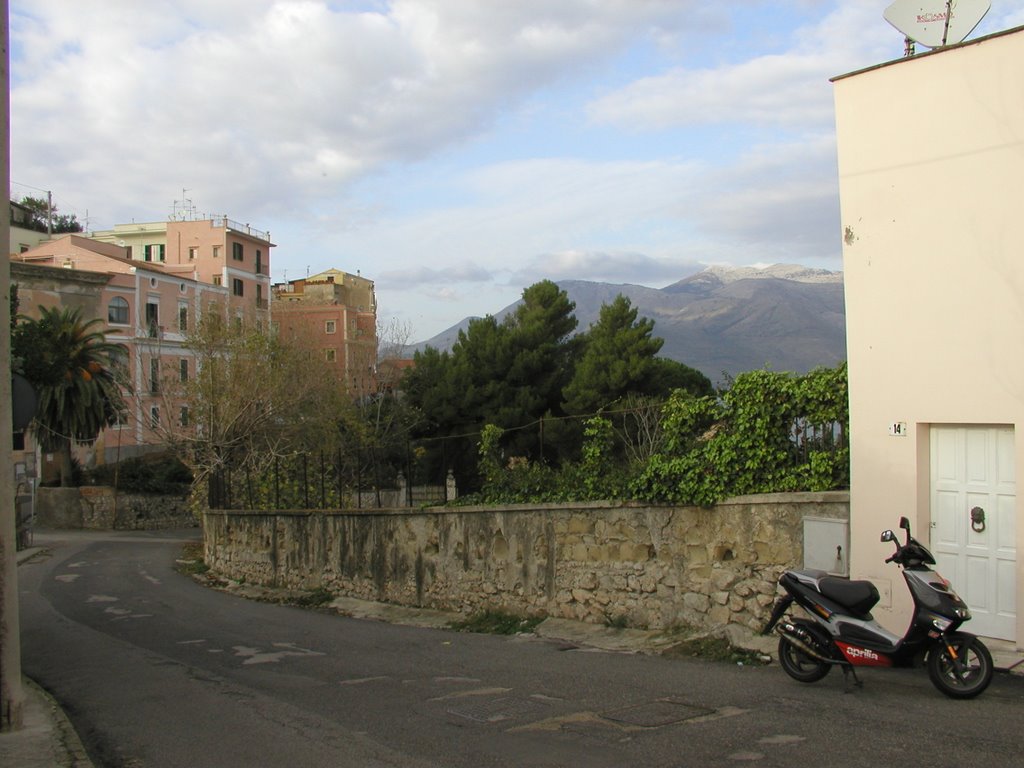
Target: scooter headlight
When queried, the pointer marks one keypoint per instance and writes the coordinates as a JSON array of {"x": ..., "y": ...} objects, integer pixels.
[
  {"x": 941, "y": 624},
  {"x": 962, "y": 613}
]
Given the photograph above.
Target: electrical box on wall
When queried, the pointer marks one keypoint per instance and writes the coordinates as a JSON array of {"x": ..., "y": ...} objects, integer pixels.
[{"x": 827, "y": 545}]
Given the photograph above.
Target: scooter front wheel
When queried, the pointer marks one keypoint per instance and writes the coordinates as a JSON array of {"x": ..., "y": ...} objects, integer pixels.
[
  {"x": 965, "y": 672},
  {"x": 799, "y": 665}
]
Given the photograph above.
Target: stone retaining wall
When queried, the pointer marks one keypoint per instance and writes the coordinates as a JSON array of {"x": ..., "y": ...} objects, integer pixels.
[
  {"x": 644, "y": 566},
  {"x": 97, "y": 507}
]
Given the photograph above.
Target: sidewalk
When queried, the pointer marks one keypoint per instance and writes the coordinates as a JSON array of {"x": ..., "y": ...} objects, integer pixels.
[{"x": 47, "y": 739}]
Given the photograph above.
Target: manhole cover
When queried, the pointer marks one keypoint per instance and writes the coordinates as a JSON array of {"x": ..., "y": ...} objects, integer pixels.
[
  {"x": 495, "y": 710},
  {"x": 656, "y": 714}
]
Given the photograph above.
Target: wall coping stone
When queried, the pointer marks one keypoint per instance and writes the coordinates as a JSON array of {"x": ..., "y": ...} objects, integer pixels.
[{"x": 804, "y": 497}]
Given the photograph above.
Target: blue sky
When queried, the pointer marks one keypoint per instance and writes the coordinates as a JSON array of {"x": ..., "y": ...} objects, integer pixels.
[{"x": 454, "y": 151}]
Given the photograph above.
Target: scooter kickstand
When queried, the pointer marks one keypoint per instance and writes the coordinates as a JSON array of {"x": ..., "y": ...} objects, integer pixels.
[{"x": 847, "y": 671}]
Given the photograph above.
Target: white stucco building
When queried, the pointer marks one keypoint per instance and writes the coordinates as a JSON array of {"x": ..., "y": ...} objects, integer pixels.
[{"x": 931, "y": 167}]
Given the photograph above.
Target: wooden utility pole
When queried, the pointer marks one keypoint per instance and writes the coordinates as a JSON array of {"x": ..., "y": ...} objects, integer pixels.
[{"x": 12, "y": 696}]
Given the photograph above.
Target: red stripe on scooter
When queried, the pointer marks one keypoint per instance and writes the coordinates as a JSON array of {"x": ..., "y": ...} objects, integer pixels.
[{"x": 863, "y": 657}]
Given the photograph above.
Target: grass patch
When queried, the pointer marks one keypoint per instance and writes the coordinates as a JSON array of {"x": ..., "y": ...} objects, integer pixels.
[
  {"x": 313, "y": 599},
  {"x": 713, "y": 649},
  {"x": 497, "y": 623},
  {"x": 191, "y": 562}
]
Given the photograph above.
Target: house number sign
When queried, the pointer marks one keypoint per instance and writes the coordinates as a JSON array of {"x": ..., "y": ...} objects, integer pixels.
[{"x": 898, "y": 429}]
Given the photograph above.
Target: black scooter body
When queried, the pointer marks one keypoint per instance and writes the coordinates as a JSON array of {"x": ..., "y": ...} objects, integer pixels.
[{"x": 842, "y": 632}]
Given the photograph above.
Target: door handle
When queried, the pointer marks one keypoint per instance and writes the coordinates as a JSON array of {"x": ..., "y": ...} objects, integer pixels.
[{"x": 977, "y": 519}]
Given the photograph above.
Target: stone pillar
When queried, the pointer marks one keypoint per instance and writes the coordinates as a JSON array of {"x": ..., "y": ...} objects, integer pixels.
[{"x": 402, "y": 484}]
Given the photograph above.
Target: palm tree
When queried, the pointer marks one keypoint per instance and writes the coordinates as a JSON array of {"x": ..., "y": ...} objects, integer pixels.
[{"x": 70, "y": 364}]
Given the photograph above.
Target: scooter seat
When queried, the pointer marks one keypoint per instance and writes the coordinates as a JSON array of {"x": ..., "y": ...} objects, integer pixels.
[{"x": 859, "y": 596}]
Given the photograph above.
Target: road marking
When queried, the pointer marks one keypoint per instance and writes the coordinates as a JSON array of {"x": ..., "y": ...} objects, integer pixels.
[
  {"x": 150, "y": 579},
  {"x": 362, "y": 680},
  {"x": 256, "y": 656},
  {"x": 67, "y": 578},
  {"x": 101, "y": 599},
  {"x": 474, "y": 692},
  {"x": 782, "y": 738},
  {"x": 191, "y": 642}
]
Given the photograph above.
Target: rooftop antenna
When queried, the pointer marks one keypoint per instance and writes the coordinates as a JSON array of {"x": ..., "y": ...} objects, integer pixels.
[
  {"x": 935, "y": 23},
  {"x": 183, "y": 210}
]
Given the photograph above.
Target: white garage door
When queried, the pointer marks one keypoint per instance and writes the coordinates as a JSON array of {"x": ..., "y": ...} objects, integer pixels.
[{"x": 974, "y": 522}]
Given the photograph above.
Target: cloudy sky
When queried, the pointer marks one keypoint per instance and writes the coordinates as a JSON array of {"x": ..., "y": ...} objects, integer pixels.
[{"x": 454, "y": 151}]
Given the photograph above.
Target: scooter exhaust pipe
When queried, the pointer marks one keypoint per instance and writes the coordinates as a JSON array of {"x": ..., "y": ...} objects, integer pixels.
[{"x": 799, "y": 639}]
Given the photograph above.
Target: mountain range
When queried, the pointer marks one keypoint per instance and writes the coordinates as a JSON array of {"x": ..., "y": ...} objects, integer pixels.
[{"x": 723, "y": 321}]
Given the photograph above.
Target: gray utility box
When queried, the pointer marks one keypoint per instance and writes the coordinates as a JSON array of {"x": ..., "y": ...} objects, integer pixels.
[{"x": 827, "y": 545}]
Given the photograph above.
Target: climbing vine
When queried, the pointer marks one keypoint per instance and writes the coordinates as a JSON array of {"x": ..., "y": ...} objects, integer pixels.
[{"x": 766, "y": 432}]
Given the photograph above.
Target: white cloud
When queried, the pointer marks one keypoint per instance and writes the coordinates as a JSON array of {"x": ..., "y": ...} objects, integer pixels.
[
  {"x": 443, "y": 147},
  {"x": 264, "y": 105},
  {"x": 789, "y": 88}
]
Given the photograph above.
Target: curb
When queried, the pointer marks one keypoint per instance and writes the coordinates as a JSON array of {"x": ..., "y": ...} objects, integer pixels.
[{"x": 64, "y": 734}]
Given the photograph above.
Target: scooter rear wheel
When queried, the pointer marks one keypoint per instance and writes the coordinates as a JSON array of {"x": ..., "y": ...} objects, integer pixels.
[
  {"x": 799, "y": 665},
  {"x": 966, "y": 675}
]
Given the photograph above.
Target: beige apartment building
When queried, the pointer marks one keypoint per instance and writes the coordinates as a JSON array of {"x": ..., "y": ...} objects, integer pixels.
[
  {"x": 931, "y": 157},
  {"x": 216, "y": 251},
  {"x": 335, "y": 313}
]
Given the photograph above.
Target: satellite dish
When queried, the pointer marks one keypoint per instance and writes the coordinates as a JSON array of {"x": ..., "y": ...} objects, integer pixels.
[{"x": 934, "y": 23}]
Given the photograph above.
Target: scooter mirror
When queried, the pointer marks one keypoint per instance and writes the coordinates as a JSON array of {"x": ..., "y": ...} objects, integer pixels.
[
  {"x": 888, "y": 536},
  {"x": 905, "y": 524}
]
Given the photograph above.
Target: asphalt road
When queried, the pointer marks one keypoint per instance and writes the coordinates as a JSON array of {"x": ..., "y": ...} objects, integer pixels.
[{"x": 155, "y": 670}]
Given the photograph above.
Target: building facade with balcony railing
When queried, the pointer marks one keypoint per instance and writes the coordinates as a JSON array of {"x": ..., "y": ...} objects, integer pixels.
[{"x": 215, "y": 250}]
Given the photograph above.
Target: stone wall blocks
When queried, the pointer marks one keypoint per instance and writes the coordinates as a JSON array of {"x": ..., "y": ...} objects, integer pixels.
[{"x": 657, "y": 566}]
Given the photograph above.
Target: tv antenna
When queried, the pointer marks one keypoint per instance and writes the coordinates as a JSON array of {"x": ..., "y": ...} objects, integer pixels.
[{"x": 183, "y": 210}]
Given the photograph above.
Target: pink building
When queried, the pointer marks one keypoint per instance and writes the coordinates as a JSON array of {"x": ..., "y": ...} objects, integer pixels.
[{"x": 147, "y": 309}]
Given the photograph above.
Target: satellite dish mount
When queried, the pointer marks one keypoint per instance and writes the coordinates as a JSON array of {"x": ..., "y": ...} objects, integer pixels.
[{"x": 935, "y": 23}]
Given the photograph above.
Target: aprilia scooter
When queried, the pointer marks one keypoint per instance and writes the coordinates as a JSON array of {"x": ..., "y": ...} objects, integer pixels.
[{"x": 841, "y": 632}]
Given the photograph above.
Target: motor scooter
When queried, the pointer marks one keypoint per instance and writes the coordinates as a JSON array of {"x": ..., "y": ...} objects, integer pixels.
[{"x": 840, "y": 631}]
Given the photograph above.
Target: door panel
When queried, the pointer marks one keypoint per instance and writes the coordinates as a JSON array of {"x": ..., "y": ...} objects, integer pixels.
[{"x": 974, "y": 467}]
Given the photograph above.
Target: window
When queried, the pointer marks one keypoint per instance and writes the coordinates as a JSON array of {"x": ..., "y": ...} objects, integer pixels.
[
  {"x": 153, "y": 252},
  {"x": 183, "y": 317},
  {"x": 216, "y": 251},
  {"x": 154, "y": 416},
  {"x": 183, "y": 416},
  {"x": 330, "y": 355},
  {"x": 193, "y": 252},
  {"x": 259, "y": 262},
  {"x": 153, "y": 318},
  {"x": 183, "y": 369},
  {"x": 119, "y": 361},
  {"x": 237, "y": 287},
  {"x": 259, "y": 297},
  {"x": 117, "y": 311},
  {"x": 216, "y": 279},
  {"x": 154, "y": 375},
  {"x": 236, "y": 252},
  {"x": 331, "y": 326}
]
